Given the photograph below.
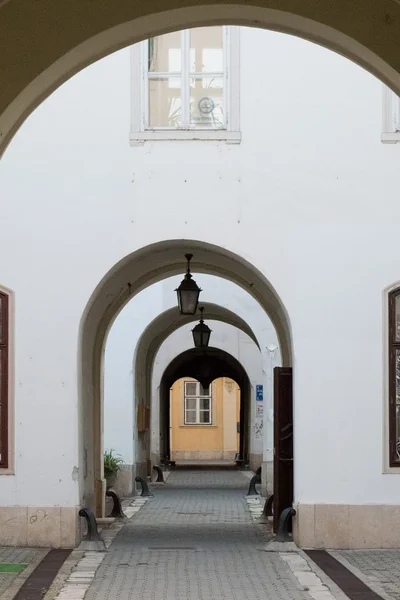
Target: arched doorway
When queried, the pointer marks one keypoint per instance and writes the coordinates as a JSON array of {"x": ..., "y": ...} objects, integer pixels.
[
  {"x": 150, "y": 342},
  {"x": 132, "y": 274},
  {"x": 205, "y": 365}
]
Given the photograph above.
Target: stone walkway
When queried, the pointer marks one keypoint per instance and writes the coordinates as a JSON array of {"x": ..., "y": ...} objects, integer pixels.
[
  {"x": 199, "y": 538},
  {"x": 195, "y": 540},
  {"x": 26, "y": 559},
  {"x": 379, "y": 569}
]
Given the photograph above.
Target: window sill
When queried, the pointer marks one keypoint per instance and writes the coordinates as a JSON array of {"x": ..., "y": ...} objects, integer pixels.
[
  {"x": 197, "y": 426},
  {"x": 6, "y": 471},
  {"x": 138, "y": 138},
  {"x": 390, "y": 138}
]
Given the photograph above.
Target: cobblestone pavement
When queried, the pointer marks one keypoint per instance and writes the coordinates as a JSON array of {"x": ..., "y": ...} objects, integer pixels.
[
  {"x": 195, "y": 540},
  {"x": 379, "y": 569},
  {"x": 9, "y": 582}
]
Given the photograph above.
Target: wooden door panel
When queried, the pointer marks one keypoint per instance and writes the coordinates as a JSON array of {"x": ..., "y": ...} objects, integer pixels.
[{"x": 283, "y": 441}]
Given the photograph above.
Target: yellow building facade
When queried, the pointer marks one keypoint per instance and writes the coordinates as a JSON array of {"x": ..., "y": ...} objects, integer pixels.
[{"x": 204, "y": 422}]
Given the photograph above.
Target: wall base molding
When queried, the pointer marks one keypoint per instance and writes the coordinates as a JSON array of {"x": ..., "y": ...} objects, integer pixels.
[
  {"x": 347, "y": 526},
  {"x": 322, "y": 526},
  {"x": 203, "y": 455},
  {"x": 36, "y": 526},
  {"x": 125, "y": 482},
  {"x": 267, "y": 478}
]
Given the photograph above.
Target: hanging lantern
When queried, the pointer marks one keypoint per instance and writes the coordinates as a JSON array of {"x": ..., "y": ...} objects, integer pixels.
[
  {"x": 188, "y": 292},
  {"x": 201, "y": 333}
]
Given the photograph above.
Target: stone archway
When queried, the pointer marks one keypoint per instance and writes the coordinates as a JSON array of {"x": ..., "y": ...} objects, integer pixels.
[
  {"x": 146, "y": 351},
  {"x": 132, "y": 274},
  {"x": 44, "y": 44},
  {"x": 206, "y": 365},
  {"x": 157, "y": 332}
]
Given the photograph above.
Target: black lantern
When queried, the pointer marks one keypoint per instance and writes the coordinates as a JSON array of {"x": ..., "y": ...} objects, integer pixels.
[
  {"x": 201, "y": 333},
  {"x": 188, "y": 292}
]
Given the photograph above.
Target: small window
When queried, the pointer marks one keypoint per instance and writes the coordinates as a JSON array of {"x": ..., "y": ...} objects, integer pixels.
[
  {"x": 185, "y": 86},
  {"x": 394, "y": 378},
  {"x": 197, "y": 404},
  {"x": 391, "y": 117},
  {"x": 3, "y": 380}
]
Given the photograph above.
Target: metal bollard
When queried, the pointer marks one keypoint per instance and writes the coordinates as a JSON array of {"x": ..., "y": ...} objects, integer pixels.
[
  {"x": 92, "y": 533},
  {"x": 117, "y": 511},
  {"x": 268, "y": 506},
  {"x": 160, "y": 475},
  {"x": 258, "y": 472},
  {"x": 285, "y": 521},
  {"x": 145, "y": 488},
  {"x": 252, "y": 487}
]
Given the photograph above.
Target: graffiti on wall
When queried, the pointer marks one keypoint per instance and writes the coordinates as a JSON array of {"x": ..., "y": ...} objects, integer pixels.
[{"x": 257, "y": 428}]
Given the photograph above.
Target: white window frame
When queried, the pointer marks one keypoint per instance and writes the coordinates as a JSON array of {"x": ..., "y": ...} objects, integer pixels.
[
  {"x": 197, "y": 397},
  {"x": 139, "y": 90},
  {"x": 390, "y": 117}
]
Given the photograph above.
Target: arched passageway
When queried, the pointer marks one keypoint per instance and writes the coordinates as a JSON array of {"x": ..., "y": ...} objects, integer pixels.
[
  {"x": 43, "y": 45},
  {"x": 132, "y": 274},
  {"x": 160, "y": 329},
  {"x": 205, "y": 365}
]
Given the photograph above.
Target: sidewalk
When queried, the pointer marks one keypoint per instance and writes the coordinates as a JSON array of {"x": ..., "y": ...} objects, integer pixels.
[
  {"x": 16, "y": 564},
  {"x": 195, "y": 540},
  {"x": 199, "y": 538}
]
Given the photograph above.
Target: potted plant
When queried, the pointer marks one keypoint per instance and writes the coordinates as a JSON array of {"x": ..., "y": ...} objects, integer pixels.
[{"x": 112, "y": 464}]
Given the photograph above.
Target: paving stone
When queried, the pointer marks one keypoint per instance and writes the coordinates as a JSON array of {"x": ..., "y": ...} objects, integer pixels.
[
  {"x": 19, "y": 556},
  {"x": 379, "y": 569},
  {"x": 195, "y": 540}
]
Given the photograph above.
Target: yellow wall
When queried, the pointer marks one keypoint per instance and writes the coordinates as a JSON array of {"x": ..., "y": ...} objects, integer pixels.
[{"x": 218, "y": 441}]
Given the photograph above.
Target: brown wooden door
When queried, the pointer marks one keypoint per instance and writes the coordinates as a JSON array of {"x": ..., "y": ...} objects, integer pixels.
[{"x": 283, "y": 441}]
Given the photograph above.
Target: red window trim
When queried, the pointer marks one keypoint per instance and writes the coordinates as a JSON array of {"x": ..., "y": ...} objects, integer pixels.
[
  {"x": 4, "y": 382},
  {"x": 393, "y": 345}
]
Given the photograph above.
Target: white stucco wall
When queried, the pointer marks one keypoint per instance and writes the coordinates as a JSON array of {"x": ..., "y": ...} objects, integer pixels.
[
  {"x": 310, "y": 197},
  {"x": 119, "y": 414}
]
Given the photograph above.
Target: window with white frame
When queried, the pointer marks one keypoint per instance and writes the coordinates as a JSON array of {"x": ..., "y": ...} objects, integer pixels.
[
  {"x": 198, "y": 403},
  {"x": 185, "y": 85},
  {"x": 391, "y": 117}
]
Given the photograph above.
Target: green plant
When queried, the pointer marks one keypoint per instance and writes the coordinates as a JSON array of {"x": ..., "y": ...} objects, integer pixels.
[{"x": 112, "y": 462}]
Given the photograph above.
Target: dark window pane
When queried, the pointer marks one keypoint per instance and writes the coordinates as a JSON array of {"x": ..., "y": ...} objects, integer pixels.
[
  {"x": 397, "y": 376},
  {"x": 205, "y": 416},
  {"x": 2, "y": 399},
  {"x": 190, "y": 403},
  {"x": 190, "y": 416},
  {"x": 204, "y": 403},
  {"x": 397, "y": 318},
  {"x": 190, "y": 388}
]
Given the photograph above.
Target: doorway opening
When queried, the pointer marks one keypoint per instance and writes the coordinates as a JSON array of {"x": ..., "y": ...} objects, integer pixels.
[
  {"x": 127, "y": 278},
  {"x": 224, "y": 388},
  {"x": 204, "y": 422}
]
